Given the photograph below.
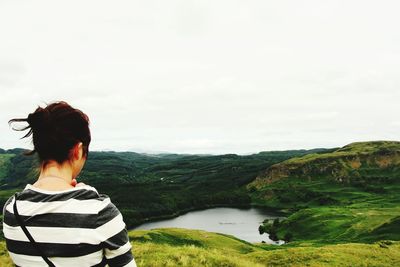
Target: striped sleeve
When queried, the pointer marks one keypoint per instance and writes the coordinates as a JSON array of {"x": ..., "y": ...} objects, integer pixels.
[{"x": 113, "y": 234}]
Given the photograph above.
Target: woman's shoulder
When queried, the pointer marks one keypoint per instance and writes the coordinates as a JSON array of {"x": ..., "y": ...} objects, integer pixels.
[
  {"x": 35, "y": 194},
  {"x": 84, "y": 197},
  {"x": 80, "y": 203}
]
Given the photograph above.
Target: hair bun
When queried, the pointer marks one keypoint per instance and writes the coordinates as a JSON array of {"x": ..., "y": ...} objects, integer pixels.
[{"x": 39, "y": 119}]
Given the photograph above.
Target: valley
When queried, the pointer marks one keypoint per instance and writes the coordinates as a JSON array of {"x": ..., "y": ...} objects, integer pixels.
[{"x": 341, "y": 205}]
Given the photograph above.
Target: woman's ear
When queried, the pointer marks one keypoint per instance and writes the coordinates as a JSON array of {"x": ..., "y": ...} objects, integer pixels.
[{"x": 78, "y": 151}]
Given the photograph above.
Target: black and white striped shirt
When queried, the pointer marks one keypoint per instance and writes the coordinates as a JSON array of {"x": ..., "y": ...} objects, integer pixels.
[{"x": 74, "y": 227}]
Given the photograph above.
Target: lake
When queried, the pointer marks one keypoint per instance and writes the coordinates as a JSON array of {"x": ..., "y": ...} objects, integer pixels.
[{"x": 241, "y": 223}]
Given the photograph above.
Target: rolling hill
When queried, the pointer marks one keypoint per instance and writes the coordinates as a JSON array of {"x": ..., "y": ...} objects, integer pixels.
[{"x": 348, "y": 195}]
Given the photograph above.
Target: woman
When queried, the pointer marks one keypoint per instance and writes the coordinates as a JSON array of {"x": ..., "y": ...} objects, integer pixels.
[{"x": 64, "y": 223}]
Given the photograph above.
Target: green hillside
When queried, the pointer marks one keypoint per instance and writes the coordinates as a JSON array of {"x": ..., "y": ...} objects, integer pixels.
[
  {"x": 5, "y": 164},
  {"x": 184, "y": 247},
  {"x": 342, "y": 205},
  {"x": 146, "y": 187},
  {"x": 349, "y": 195}
]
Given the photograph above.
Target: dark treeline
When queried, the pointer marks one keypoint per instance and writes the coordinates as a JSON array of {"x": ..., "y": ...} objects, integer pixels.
[{"x": 146, "y": 187}]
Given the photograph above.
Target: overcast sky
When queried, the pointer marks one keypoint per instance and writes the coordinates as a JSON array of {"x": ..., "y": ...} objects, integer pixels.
[{"x": 206, "y": 76}]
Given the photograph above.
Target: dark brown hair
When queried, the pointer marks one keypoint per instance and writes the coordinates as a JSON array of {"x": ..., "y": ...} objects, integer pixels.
[{"x": 55, "y": 130}]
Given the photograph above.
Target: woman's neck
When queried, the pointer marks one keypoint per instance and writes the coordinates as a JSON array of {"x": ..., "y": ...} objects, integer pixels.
[{"x": 55, "y": 177}]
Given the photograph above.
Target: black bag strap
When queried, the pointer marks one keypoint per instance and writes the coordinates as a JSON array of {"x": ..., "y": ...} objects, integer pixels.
[{"x": 20, "y": 221}]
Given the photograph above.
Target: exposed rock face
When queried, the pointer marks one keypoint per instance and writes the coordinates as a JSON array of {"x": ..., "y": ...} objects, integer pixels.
[{"x": 356, "y": 160}]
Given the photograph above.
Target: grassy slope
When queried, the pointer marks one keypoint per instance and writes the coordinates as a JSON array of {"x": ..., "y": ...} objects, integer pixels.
[
  {"x": 184, "y": 247},
  {"x": 350, "y": 195}
]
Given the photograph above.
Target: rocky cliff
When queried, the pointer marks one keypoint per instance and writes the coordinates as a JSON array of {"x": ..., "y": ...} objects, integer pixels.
[{"x": 353, "y": 162}]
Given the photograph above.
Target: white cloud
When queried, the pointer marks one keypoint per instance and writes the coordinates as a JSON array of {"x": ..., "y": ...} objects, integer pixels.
[{"x": 206, "y": 76}]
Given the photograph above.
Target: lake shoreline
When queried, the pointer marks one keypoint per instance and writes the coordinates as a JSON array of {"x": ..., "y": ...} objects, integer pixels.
[
  {"x": 241, "y": 222},
  {"x": 185, "y": 211}
]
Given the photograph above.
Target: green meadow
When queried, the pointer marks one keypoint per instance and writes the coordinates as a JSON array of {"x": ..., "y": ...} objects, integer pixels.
[{"x": 185, "y": 247}]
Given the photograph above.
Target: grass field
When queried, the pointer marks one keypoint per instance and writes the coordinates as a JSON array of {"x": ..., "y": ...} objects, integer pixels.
[{"x": 184, "y": 247}]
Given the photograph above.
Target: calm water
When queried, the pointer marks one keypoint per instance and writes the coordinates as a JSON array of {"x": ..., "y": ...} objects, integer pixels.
[{"x": 241, "y": 223}]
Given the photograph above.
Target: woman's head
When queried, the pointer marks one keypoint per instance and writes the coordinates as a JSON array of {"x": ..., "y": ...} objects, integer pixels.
[{"x": 56, "y": 129}]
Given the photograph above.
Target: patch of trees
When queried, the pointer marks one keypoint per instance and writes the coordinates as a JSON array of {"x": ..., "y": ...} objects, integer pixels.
[{"x": 271, "y": 227}]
